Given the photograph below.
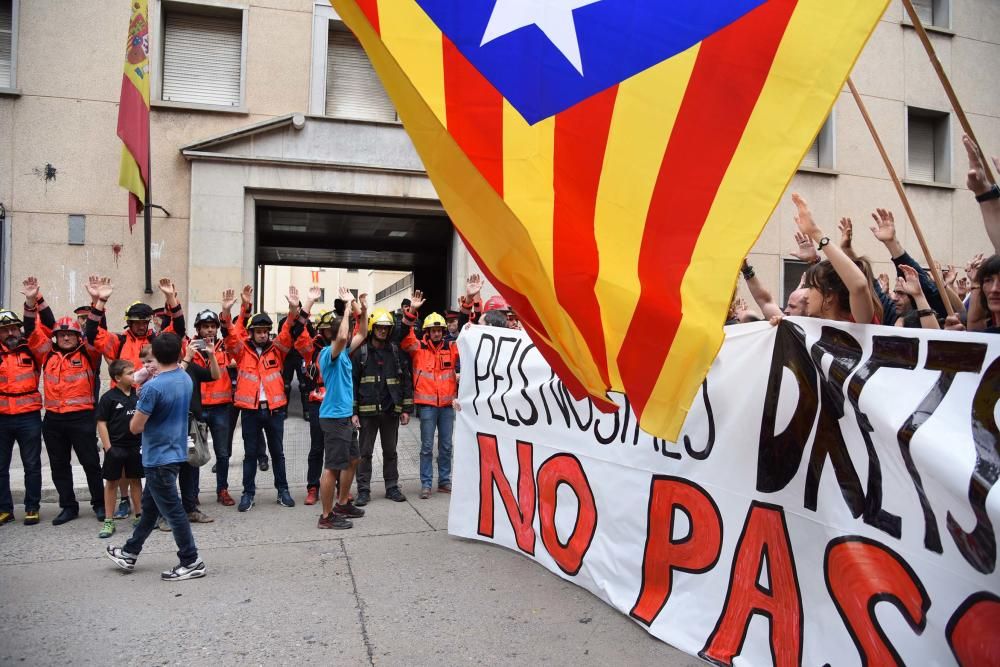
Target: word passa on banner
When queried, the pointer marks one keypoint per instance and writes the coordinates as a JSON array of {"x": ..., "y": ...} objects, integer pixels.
[{"x": 764, "y": 542}]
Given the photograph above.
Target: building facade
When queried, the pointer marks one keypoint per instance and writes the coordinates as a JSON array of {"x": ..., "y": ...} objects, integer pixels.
[{"x": 273, "y": 144}]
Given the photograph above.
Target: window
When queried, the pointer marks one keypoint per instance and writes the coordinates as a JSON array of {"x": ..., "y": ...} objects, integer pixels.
[
  {"x": 933, "y": 13},
  {"x": 791, "y": 275},
  {"x": 322, "y": 295},
  {"x": 353, "y": 90},
  {"x": 821, "y": 153},
  {"x": 8, "y": 43},
  {"x": 203, "y": 58},
  {"x": 928, "y": 146}
]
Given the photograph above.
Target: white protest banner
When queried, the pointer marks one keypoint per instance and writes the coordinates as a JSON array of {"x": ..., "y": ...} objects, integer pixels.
[{"x": 829, "y": 501}]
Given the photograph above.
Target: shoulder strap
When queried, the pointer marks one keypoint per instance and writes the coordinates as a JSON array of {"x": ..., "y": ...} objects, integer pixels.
[{"x": 363, "y": 355}]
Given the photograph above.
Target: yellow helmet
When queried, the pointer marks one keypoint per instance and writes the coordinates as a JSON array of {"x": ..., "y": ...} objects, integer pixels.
[
  {"x": 381, "y": 318},
  {"x": 434, "y": 320},
  {"x": 326, "y": 319}
]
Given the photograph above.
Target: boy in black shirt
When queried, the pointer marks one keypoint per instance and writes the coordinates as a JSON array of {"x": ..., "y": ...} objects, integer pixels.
[{"x": 122, "y": 457}]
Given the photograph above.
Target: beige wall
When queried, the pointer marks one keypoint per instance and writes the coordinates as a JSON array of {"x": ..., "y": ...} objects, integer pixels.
[{"x": 69, "y": 71}]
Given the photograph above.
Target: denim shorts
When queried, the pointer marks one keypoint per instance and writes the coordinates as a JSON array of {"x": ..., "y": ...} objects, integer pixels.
[{"x": 340, "y": 446}]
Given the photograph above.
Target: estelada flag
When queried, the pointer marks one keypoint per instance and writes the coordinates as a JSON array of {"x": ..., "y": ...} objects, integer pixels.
[
  {"x": 609, "y": 163},
  {"x": 133, "y": 111}
]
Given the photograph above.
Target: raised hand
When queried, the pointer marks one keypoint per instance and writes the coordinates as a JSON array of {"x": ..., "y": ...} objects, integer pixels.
[
  {"x": 883, "y": 282},
  {"x": 806, "y": 251},
  {"x": 314, "y": 294},
  {"x": 885, "y": 225},
  {"x": 168, "y": 288},
  {"x": 949, "y": 274},
  {"x": 29, "y": 288},
  {"x": 105, "y": 290},
  {"x": 473, "y": 285},
  {"x": 909, "y": 282},
  {"x": 972, "y": 267},
  {"x": 293, "y": 297},
  {"x": 846, "y": 228},
  {"x": 417, "y": 299},
  {"x": 804, "y": 218},
  {"x": 976, "y": 179},
  {"x": 363, "y": 300},
  {"x": 246, "y": 296},
  {"x": 228, "y": 299},
  {"x": 92, "y": 285},
  {"x": 346, "y": 296}
]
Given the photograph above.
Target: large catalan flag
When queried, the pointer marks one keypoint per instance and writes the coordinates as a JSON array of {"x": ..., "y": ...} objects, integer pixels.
[
  {"x": 609, "y": 163},
  {"x": 133, "y": 111}
]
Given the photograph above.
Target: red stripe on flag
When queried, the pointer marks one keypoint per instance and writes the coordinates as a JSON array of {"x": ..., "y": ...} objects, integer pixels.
[
  {"x": 581, "y": 140},
  {"x": 729, "y": 74},
  {"x": 530, "y": 318},
  {"x": 475, "y": 115},
  {"x": 370, "y": 9},
  {"x": 133, "y": 125}
]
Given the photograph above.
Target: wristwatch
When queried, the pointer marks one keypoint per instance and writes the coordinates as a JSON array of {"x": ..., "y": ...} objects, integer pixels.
[
  {"x": 823, "y": 242},
  {"x": 992, "y": 193}
]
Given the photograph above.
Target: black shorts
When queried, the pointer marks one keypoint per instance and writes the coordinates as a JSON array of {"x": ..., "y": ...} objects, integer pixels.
[
  {"x": 122, "y": 462},
  {"x": 340, "y": 443}
]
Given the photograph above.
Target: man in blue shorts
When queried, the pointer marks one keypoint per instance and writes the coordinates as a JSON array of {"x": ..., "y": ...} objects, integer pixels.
[{"x": 162, "y": 418}]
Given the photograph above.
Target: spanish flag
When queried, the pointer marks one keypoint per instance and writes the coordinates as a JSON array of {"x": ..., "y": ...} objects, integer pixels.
[
  {"x": 609, "y": 163},
  {"x": 133, "y": 111}
]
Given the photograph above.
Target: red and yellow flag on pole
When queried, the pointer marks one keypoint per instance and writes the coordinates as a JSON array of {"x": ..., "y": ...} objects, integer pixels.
[
  {"x": 609, "y": 163},
  {"x": 133, "y": 111}
]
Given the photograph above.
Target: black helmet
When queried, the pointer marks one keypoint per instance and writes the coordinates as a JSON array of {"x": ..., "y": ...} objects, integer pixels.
[
  {"x": 206, "y": 316},
  {"x": 139, "y": 311},
  {"x": 81, "y": 310},
  {"x": 260, "y": 321},
  {"x": 9, "y": 317}
]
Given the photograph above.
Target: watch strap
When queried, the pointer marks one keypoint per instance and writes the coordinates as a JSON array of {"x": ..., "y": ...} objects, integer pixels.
[{"x": 989, "y": 195}]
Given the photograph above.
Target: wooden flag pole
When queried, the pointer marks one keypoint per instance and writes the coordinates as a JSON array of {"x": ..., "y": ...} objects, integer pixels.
[
  {"x": 948, "y": 89},
  {"x": 938, "y": 280}
]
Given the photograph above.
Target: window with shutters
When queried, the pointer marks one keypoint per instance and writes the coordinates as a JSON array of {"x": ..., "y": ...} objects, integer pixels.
[
  {"x": 932, "y": 13},
  {"x": 821, "y": 152},
  {"x": 8, "y": 43},
  {"x": 928, "y": 146},
  {"x": 353, "y": 89},
  {"x": 202, "y": 58}
]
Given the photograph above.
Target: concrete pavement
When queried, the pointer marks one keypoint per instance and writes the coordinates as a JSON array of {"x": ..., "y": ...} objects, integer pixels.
[{"x": 394, "y": 590}]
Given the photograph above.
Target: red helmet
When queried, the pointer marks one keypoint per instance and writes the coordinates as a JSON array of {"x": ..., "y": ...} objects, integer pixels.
[
  {"x": 496, "y": 303},
  {"x": 68, "y": 324}
]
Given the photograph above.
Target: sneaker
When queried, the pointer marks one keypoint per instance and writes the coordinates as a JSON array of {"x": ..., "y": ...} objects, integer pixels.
[
  {"x": 31, "y": 518},
  {"x": 348, "y": 510},
  {"x": 121, "y": 558},
  {"x": 108, "y": 530},
  {"x": 6, "y": 517},
  {"x": 100, "y": 514},
  {"x": 224, "y": 498},
  {"x": 312, "y": 495},
  {"x": 195, "y": 570},
  {"x": 263, "y": 465},
  {"x": 364, "y": 497},
  {"x": 65, "y": 516},
  {"x": 395, "y": 494},
  {"x": 246, "y": 503},
  {"x": 425, "y": 493},
  {"x": 162, "y": 524},
  {"x": 444, "y": 488},
  {"x": 334, "y": 521},
  {"x": 198, "y": 516},
  {"x": 136, "y": 520},
  {"x": 285, "y": 498},
  {"x": 124, "y": 509}
]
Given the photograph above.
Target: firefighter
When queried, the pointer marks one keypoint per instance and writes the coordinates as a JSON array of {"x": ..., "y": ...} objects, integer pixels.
[
  {"x": 21, "y": 355},
  {"x": 260, "y": 391},
  {"x": 216, "y": 400},
  {"x": 435, "y": 388},
  {"x": 68, "y": 373},
  {"x": 383, "y": 400}
]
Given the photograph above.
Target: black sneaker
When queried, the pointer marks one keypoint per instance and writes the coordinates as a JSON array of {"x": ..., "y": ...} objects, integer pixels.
[
  {"x": 334, "y": 521},
  {"x": 395, "y": 494},
  {"x": 348, "y": 510},
  {"x": 364, "y": 497},
  {"x": 195, "y": 570},
  {"x": 101, "y": 515},
  {"x": 285, "y": 498},
  {"x": 246, "y": 503},
  {"x": 121, "y": 558},
  {"x": 65, "y": 516},
  {"x": 263, "y": 465}
]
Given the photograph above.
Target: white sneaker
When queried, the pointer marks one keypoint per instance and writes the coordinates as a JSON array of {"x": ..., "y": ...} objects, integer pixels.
[{"x": 195, "y": 570}]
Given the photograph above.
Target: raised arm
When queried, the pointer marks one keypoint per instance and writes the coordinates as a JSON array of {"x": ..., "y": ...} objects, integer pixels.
[
  {"x": 361, "y": 333},
  {"x": 340, "y": 342},
  {"x": 909, "y": 282},
  {"x": 987, "y": 194},
  {"x": 760, "y": 294}
]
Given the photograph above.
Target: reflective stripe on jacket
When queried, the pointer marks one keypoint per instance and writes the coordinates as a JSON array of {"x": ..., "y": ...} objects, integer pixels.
[
  {"x": 216, "y": 392},
  {"x": 20, "y": 369},
  {"x": 253, "y": 370},
  {"x": 435, "y": 380}
]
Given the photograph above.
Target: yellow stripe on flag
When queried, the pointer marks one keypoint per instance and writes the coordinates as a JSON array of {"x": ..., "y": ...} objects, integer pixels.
[
  {"x": 129, "y": 176},
  {"x": 813, "y": 60},
  {"x": 416, "y": 43},
  {"x": 645, "y": 110}
]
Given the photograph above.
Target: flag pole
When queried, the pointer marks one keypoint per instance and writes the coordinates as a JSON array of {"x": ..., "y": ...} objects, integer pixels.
[
  {"x": 948, "y": 88},
  {"x": 902, "y": 195},
  {"x": 147, "y": 210}
]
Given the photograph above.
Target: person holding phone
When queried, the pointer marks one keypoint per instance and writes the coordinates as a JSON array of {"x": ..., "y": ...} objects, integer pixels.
[{"x": 207, "y": 372}]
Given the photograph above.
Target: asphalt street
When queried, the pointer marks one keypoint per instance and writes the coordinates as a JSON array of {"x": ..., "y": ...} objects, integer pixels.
[{"x": 394, "y": 590}]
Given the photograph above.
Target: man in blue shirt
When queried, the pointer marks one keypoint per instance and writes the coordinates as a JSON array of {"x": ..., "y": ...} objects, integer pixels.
[
  {"x": 162, "y": 418},
  {"x": 340, "y": 447}
]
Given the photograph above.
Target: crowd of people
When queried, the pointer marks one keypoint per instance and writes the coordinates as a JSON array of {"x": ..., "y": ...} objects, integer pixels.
[
  {"x": 839, "y": 285},
  {"x": 362, "y": 375}
]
